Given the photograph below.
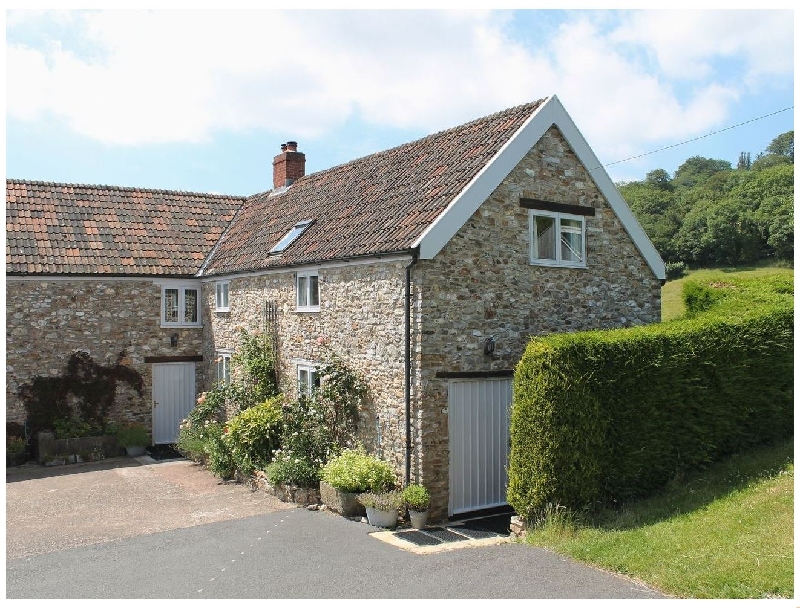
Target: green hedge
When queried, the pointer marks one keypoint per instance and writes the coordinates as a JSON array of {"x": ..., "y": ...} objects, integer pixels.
[{"x": 600, "y": 417}]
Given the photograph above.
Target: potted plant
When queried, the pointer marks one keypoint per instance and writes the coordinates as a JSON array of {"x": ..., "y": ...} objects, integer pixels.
[
  {"x": 382, "y": 508},
  {"x": 134, "y": 438},
  {"x": 417, "y": 500},
  {"x": 16, "y": 451},
  {"x": 351, "y": 473}
]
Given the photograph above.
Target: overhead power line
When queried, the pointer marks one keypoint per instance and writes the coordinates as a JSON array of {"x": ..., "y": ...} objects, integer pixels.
[{"x": 688, "y": 141}]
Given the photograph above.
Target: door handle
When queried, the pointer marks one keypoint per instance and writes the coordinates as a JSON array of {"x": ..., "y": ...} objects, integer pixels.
[{"x": 155, "y": 403}]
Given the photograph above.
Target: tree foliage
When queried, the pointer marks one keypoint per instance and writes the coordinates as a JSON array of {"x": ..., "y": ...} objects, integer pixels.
[{"x": 709, "y": 213}]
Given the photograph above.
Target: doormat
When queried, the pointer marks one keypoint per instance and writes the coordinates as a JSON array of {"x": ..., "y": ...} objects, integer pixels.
[
  {"x": 164, "y": 451},
  {"x": 470, "y": 533}
]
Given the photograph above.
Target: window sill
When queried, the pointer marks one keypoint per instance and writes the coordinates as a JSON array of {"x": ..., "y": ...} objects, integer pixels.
[
  {"x": 181, "y": 326},
  {"x": 307, "y": 309},
  {"x": 222, "y": 310},
  {"x": 554, "y": 264}
]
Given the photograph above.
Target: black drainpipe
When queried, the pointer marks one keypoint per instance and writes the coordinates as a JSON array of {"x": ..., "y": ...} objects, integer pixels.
[{"x": 409, "y": 295}]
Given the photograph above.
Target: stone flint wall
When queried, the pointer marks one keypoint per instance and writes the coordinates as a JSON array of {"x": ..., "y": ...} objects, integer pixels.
[
  {"x": 362, "y": 318},
  {"x": 482, "y": 285},
  {"x": 49, "y": 319}
]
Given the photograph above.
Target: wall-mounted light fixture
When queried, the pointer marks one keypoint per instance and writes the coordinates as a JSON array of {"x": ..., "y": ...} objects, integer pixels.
[
  {"x": 173, "y": 340},
  {"x": 488, "y": 346}
]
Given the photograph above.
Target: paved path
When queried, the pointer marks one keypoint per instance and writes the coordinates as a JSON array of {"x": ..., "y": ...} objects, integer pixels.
[{"x": 178, "y": 533}]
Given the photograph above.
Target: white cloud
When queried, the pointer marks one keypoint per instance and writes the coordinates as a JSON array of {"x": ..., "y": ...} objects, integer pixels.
[{"x": 134, "y": 78}]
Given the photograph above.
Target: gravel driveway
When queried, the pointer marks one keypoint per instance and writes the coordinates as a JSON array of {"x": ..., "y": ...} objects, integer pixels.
[{"x": 54, "y": 508}]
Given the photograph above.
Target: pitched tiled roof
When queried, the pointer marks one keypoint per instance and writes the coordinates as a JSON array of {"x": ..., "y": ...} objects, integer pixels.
[
  {"x": 374, "y": 205},
  {"x": 76, "y": 229}
]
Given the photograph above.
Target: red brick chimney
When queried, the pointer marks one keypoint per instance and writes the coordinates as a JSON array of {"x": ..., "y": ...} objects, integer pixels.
[{"x": 288, "y": 166}]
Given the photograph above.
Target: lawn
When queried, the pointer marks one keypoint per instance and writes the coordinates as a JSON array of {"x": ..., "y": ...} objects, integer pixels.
[{"x": 725, "y": 532}]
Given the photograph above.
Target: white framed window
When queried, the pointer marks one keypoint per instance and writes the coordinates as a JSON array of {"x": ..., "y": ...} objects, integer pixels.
[
  {"x": 221, "y": 297},
  {"x": 180, "y": 305},
  {"x": 307, "y": 287},
  {"x": 557, "y": 239},
  {"x": 307, "y": 380},
  {"x": 224, "y": 366}
]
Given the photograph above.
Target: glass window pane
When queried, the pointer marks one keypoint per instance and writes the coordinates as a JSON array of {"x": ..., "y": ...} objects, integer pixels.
[
  {"x": 170, "y": 305},
  {"x": 544, "y": 235},
  {"x": 190, "y": 306},
  {"x": 571, "y": 241},
  {"x": 313, "y": 290},
  {"x": 302, "y": 381},
  {"x": 302, "y": 291}
]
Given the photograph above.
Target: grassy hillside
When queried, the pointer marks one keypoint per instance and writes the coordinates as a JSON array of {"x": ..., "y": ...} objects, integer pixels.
[
  {"x": 671, "y": 294},
  {"x": 725, "y": 532}
]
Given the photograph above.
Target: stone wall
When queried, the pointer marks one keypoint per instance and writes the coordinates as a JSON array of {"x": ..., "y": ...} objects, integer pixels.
[
  {"x": 112, "y": 320},
  {"x": 482, "y": 285},
  {"x": 362, "y": 319}
]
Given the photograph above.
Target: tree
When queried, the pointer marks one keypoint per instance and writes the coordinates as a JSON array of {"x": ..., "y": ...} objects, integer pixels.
[
  {"x": 698, "y": 169},
  {"x": 744, "y": 161},
  {"x": 783, "y": 145}
]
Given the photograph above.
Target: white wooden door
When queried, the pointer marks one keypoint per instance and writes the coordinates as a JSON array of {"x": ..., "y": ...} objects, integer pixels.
[
  {"x": 478, "y": 414},
  {"x": 173, "y": 399}
]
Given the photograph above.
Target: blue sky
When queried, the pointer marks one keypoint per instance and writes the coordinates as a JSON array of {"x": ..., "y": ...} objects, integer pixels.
[{"x": 202, "y": 100}]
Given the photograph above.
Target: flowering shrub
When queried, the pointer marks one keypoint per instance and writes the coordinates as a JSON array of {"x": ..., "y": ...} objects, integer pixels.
[
  {"x": 341, "y": 394},
  {"x": 253, "y": 435},
  {"x": 355, "y": 471},
  {"x": 307, "y": 445}
]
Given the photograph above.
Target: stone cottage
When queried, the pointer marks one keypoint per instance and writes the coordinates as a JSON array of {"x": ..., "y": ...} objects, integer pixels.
[{"x": 427, "y": 267}]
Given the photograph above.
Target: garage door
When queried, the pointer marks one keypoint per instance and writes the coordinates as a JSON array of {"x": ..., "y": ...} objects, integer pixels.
[{"x": 478, "y": 413}]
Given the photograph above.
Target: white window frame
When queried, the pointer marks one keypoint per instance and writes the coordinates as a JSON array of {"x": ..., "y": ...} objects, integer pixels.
[
  {"x": 222, "y": 296},
  {"x": 303, "y": 291},
  {"x": 306, "y": 390},
  {"x": 181, "y": 288},
  {"x": 558, "y": 218},
  {"x": 223, "y": 360}
]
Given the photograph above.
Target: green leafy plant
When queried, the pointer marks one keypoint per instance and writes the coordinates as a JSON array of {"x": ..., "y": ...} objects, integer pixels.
[
  {"x": 15, "y": 445},
  {"x": 341, "y": 394},
  {"x": 254, "y": 364},
  {"x": 382, "y": 501},
  {"x": 252, "y": 436},
  {"x": 307, "y": 444},
  {"x": 72, "y": 427},
  {"x": 355, "y": 471},
  {"x": 191, "y": 442},
  {"x": 416, "y": 497},
  {"x": 133, "y": 434},
  {"x": 219, "y": 457}
]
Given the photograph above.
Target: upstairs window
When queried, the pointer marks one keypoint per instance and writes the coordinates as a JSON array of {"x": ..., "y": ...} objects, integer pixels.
[
  {"x": 221, "y": 300},
  {"x": 180, "y": 306},
  {"x": 307, "y": 292},
  {"x": 291, "y": 236},
  {"x": 557, "y": 239}
]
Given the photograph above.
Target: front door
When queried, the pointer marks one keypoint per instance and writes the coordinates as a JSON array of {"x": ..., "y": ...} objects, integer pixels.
[
  {"x": 478, "y": 414},
  {"x": 173, "y": 399}
]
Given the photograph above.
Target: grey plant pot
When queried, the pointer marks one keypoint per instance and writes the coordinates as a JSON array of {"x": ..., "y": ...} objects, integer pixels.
[
  {"x": 382, "y": 519},
  {"x": 419, "y": 519},
  {"x": 135, "y": 450},
  {"x": 343, "y": 503}
]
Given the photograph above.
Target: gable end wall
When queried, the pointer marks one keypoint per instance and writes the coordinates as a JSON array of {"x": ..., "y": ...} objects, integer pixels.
[{"x": 482, "y": 285}]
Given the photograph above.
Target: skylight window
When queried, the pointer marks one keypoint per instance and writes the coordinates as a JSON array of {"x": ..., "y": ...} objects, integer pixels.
[{"x": 291, "y": 236}]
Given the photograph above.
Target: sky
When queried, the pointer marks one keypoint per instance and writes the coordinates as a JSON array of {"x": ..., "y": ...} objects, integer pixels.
[{"x": 201, "y": 100}]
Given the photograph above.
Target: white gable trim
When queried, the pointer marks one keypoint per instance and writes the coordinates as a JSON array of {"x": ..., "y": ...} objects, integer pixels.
[{"x": 550, "y": 113}]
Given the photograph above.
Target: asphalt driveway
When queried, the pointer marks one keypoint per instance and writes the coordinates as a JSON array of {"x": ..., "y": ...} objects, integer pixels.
[{"x": 136, "y": 528}]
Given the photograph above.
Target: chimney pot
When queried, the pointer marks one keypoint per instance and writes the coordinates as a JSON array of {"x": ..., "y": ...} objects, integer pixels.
[{"x": 288, "y": 166}]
